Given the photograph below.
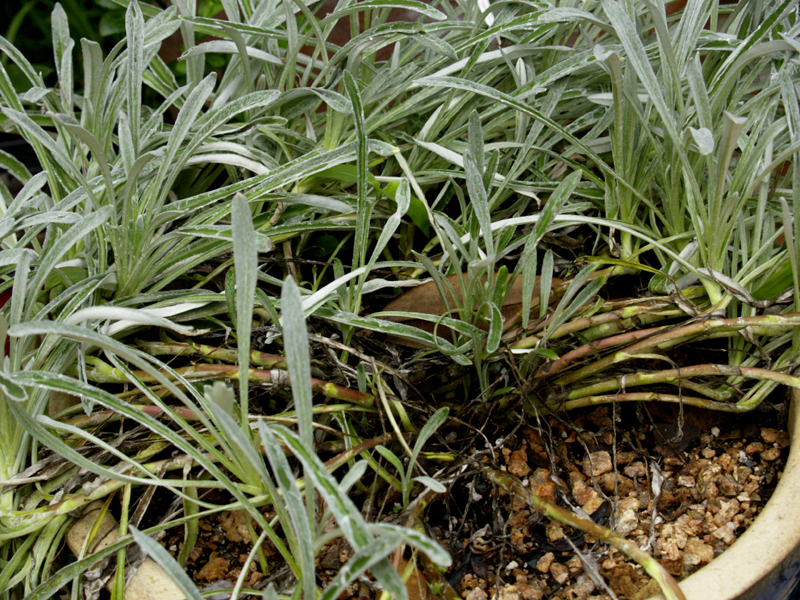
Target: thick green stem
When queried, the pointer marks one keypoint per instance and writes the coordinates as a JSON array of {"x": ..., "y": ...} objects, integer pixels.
[
  {"x": 606, "y": 324},
  {"x": 658, "y": 339},
  {"x": 268, "y": 361},
  {"x": 653, "y": 397},
  {"x": 678, "y": 377},
  {"x": 102, "y": 372}
]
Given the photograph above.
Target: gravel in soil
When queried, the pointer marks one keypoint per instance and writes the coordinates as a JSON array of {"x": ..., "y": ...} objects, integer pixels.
[
  {"x": 681, "y": 490},
  {"x": 683, "y": 498}
]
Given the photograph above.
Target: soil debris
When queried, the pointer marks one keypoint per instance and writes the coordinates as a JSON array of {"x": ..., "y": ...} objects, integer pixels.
[{"x": 683, "y": 503}]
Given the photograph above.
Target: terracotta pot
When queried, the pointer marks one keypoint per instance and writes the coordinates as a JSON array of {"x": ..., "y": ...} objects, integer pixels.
[{"x": 763, "y": 563}]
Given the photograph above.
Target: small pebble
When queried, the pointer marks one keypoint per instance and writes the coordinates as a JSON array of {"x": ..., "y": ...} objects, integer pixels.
[
  {"x": 544, "y": 563},
  {"x": 554, "y": 532},
  {"x": 754, "y": 447},
  {"x": 597, "y": 463},
  {"x": 769, "y": 435},
  {"x": 476, "y": 594},
  {"x": 559, "y": 572},
  {"x": 636, "y": 469}
]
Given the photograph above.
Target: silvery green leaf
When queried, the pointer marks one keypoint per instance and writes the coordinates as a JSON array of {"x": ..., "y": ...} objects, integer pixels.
[
  {"x": 228, "y": 47},
  {"x": 437, "y": 45},
  {"x": 68, "y": 239},
  {"x": 637, "y": 55},
  {"x": 298, "y": 516},
  {"x": 34, "y": 94},
  {"x": 353, "y": 476},
  {"x": 128, "y": 317},
  {"x": 393, "y": 459},
  {"x": 346, "y": 513},
  {"x": 227, "y": 158},
  {"x": 479, "y": 200},
  {"x": 295, "y": 338},
  {"x": 35, "y": 132},
  {"x": 431, "y": 425},
  {"x": 318, "y": 298},
  {"x": 219, "y": 394},
  {"x": 417, "y": 540},
  {"x": 9, "y": 388},
  {"x": 430, "y": 483},
  {"x": 323, "y": 202},
  {"x": 363, "y": 211},
  {"x": 704, "y": 140},
  {"x": 365, "y": 558},
  {"x": 403, "y": 201},
  {"x": 134, "y": 29},
  {"x": 245, "y": 258},
  {"x": 159, "y": 554},
  {"x": 495, "y": 328},
  {"x": 411, "y": 5}
]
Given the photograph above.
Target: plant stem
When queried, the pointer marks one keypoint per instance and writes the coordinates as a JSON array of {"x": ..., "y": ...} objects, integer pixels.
[
  {"x": 268, "y": 361},
  {"x": 655, "y": 397},
  {"x": 657, "y": 339},
  {"x": 677, "y": 376},
  {"x": 555, "y": 513},
  {"x": 102, "y": 372}
]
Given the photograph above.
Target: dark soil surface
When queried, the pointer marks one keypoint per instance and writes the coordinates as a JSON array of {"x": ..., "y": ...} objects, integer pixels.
[{"x": 683, "y": 489}]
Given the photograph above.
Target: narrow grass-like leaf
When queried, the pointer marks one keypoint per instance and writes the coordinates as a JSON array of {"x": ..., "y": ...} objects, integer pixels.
[
  {"x": 134, "y": 67},
  {"x": 430, "y": 483},
  {"x": 362, "y": 209},
  {"x": 636, "y": 53},
  {"x": 495, "y": 328},
  {"x": 126, "y": 317},
  {"x": 297, "y": 357},
  {"x": 789, "y": 236},
  {"x": 74, "y": 387},
  {"x": 39, "y": 136},
  {"x": 365, "y": 558},
  {"x": 68, "y": 239},
  {"x": 297, "y": 516},
  {"x": 475, "y": 133},
  {"x": 244, "y": 59},
  {"x": 245, "y": 256},
  {"x": 227, "y": 47},
  {"x": 397, "y": 464},
  {"x": 62, "y": 50},
  {"x": 295, "y": 340},
  {"x": 498, "y": 96},
  {"x": 312, "y": 302},
  {"x": 250, "y": 463},
  {"x": 552, "y": 208},
  {"x": 479, "y": 200},
  {"x": 431, "y": 425},
  {"x": 10, "y": 390},
  {"x": 159, "y": 554},
  {"x": 437, "y": 45},
  {"x": 576, "y": 296},
  {"x": 344, "y": 511},
  {"x": 71, "y": 124},
  {"x": 185, "y": 121},
  {"x": 412, "y": 5},
  {"x": 546, "y": 283},
  {"x": 417, "y": 540}
]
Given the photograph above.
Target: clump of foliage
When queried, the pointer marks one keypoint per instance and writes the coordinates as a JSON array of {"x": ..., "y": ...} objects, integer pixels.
[{"x": 455, "y": 145}]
